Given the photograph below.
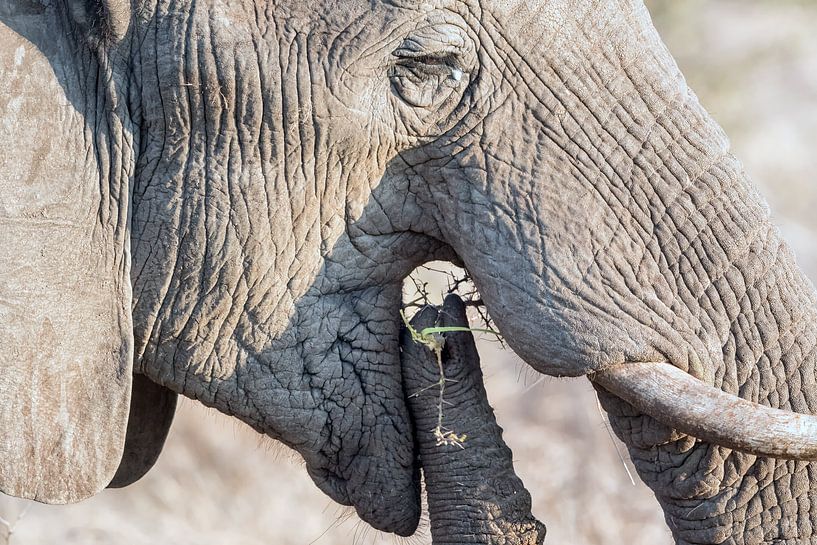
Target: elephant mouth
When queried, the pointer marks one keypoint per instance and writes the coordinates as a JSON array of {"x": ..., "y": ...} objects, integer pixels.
[{"x": 665, "y": 392}]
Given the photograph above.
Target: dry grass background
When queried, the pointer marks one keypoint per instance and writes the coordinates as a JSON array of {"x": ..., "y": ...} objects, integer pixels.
[{"x": 754, "y": 64}]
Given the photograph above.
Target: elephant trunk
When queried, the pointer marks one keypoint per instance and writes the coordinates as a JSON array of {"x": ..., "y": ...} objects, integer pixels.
[{"x": 474, "y": 495}]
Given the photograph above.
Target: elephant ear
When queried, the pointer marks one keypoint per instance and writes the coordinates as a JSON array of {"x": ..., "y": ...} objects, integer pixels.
[
  {"x": 151, "y": 412},
  {"x": 65, "y": 296}
]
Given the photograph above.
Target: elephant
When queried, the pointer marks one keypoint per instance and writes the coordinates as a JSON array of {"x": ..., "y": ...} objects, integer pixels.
[{"x": 221, "y": 200}]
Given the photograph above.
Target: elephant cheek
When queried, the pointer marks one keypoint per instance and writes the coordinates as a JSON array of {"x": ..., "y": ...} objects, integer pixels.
[{"x": 366, "y": 458}]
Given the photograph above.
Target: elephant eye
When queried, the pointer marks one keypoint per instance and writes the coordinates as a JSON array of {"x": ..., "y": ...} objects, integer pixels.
[{"x": 426, "y": 79}]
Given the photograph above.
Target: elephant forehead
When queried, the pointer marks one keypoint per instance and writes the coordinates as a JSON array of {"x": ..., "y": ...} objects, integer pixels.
[
  {"x": 296, "y": 15},
  {"x": 343, "y": 21}
]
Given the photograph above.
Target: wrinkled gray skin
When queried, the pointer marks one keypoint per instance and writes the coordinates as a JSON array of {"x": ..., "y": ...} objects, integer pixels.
[
  {"x": 227, "y": 195},
  {"x": 474, "y": 495}
]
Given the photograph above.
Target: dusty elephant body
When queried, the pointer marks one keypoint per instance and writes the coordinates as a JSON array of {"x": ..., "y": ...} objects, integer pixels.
[{"x": 225, "y": 197}]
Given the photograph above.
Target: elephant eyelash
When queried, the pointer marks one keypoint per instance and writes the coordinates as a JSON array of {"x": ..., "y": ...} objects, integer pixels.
[
  {"x": 423, "y": 66},
  {"x": 444, "y": 58},
  {"x": 434, "y": 60}
]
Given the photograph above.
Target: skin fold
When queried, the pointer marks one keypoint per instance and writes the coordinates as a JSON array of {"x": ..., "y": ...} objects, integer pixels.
[
  {"x": 224, "y": 198},
  {"x": 474, "y": 495}
]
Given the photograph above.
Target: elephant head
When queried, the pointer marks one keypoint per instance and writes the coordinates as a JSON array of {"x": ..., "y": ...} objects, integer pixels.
[{"x": 225, "y": 198}]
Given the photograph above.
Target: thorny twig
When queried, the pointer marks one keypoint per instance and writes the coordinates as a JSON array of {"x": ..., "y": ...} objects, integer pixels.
[
  {"x": 432, "y": 338},
  {"x": 434, "y": 341},
  {"x": 460, "y": 283}
]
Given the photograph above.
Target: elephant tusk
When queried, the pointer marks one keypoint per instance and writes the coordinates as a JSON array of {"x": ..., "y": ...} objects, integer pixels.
[{"x": 681, "y": 401}]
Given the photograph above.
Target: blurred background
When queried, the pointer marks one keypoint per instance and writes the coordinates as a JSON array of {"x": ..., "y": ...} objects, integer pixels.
[{"x": 754, "y": 65}]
